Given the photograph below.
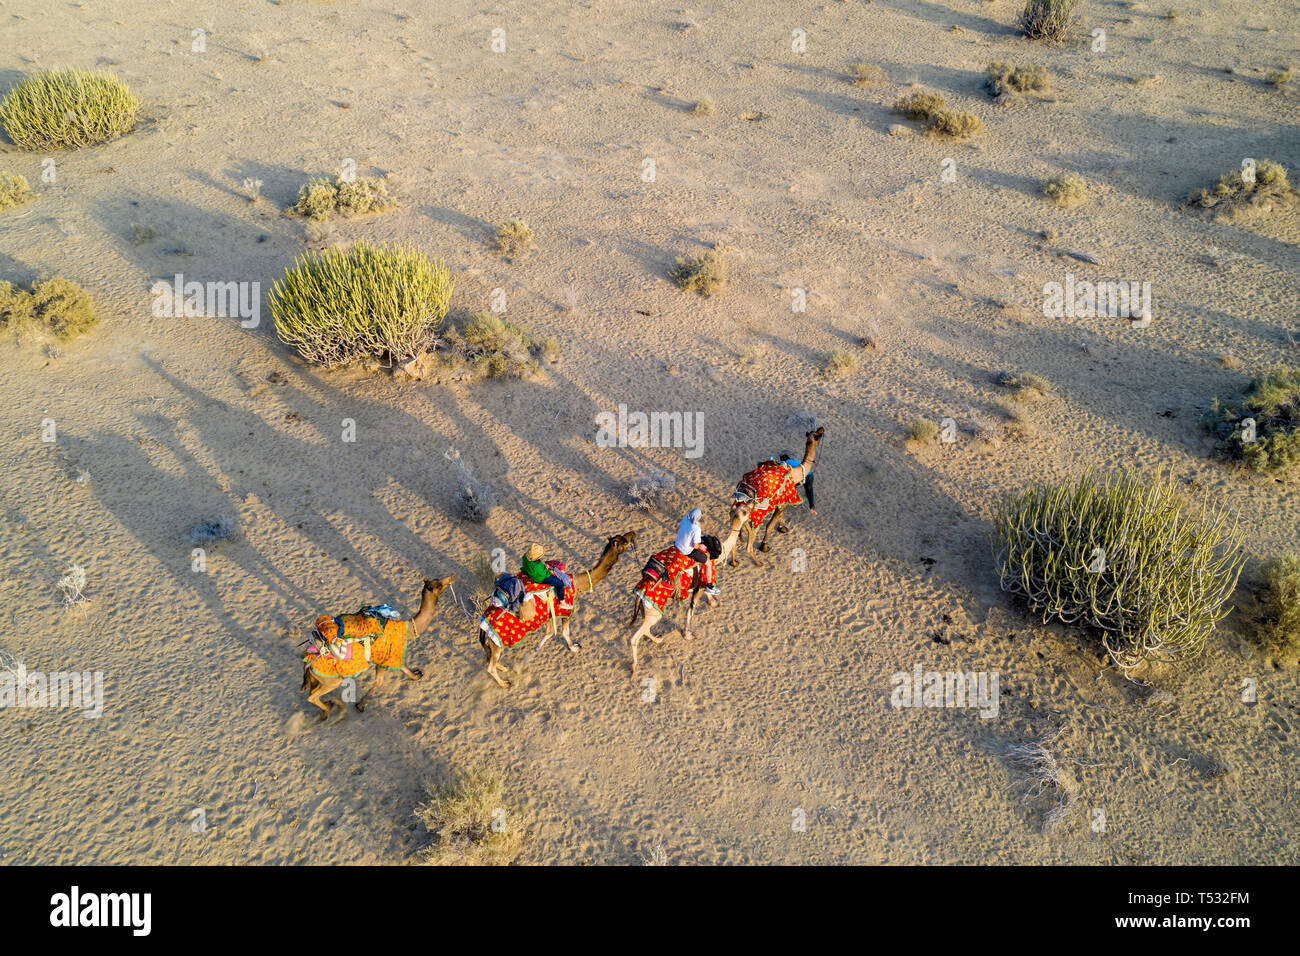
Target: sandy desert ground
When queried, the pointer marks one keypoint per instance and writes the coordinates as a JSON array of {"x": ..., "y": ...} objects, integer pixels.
[{"x": 782, "y": 703}]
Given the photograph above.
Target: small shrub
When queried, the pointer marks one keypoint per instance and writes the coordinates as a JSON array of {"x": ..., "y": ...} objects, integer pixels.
[
  {"x": 460, "y": 817},
  {"x": 704, "y": 106},
  {"x": 1240, "y": 195},
  {"x": 866, "y": 74},
  {"x": 1279, "y": 77},
  {"x": 649, "y": 492},
  {"x": 322, "y": 199},
  {"x": 338, "y": 306},
  {"x": 1272, "y": 403},
  {"x": 1066, "y": 190},
  {"x": 65, "y": 109},
  {"x": 1005, "y": 78},
  {"x": 841, "y": 362},
  {"x": 954, "y": 124},
  {"x": 56, "y": 307},
  {"x": 920, "y": 105},
  {"x": 1028, "y": 385},
  {"x": 1125, "y": 555},
  {"x": 513, "y": 237},
  {"x": 1281, "y": 600},
  {"x": 921, "y": 429},
  {"x": 474, "y": 499},
  {"x": 140, "y": 234},
  {"x": 704, "y": 274},
  {"x": 494, "y": 347},
  {"x": 14, "y": 191},
  {"x": 1047, "y": 19},
  {"x": 71, "y": 586},
  {"x": 208, "y": 533}
]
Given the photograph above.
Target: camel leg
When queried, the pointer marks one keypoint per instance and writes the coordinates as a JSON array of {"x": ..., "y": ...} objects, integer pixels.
[
  {"x": 750, "y": 534},
  {"x": 651, "y": 619},
  {"x": 412, "y": 673},
  {"x": 574, "y": 646},
  {"x": 323, "y": 687},
  {"x": 690, "y": 613},
  {"x": 494, "y": 665},
  {"x": 776, "y": 516},
  {"x": 374, "y": 686}
]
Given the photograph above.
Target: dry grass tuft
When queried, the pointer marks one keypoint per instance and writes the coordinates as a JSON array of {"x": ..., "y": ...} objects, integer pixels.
[
  {"x": 55, "y": 307},
  {"x": 1066, "y": 190},
  {"x": 704, "y": 274},
  {"x": 469, "y": 824},
  {"x": 1243, "y": 195},
  {"x": 513, "y": 237}
]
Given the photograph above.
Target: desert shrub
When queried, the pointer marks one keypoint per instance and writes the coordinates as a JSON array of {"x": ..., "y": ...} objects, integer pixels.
[
  {"x": 493, "y": 347},
  {"x": 56, "y": 307},
  {"x": 64, "y": 109},
  {"x": 866, "y": 74},
  {"x": 337, "y": 306},
  {"x": 14, "y": 191},
  {"x": 841, "y": 362},
  {"x": 1066, "y": 190},
  {"x": 920, "y": 105},
  {"x": 1028, "y": 385},
  {"x": 1047, "y": 19},
  {"x": 461, "y": 816},
  {"x": 1272, "y": 403},
  {"x": 1007, "y": 78},
  {"x": 704, "y": 274},
  {"x": 215, "y": 530},
  {"x": 921, "y": 429},
  {"x": 474, "y": 499},
  {"x": 704, "y": 106},
  {"x": 1281, "y": 601},
  {"x": 1279, "y": 77},
  {"x": 1124, "y": 554},
  {"x": 513, "y": 237},
  {"x": 1240, "y": 194},
  {"x": 954, "y": 124},
  {"x": 648, "y": 492},
  {"x": 324, "y": 198}
]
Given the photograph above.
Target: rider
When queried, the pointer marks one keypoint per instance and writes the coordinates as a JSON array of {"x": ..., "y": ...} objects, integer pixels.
[
  {"x": 533, "y": 566},
  {"x": 703, "y": 549},
  {"x": 788, "y": 459}
]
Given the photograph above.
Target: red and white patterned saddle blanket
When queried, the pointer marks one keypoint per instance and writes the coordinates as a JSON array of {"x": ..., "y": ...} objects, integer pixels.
[
  {"x": 677, "y": 583},
  {"x": 507, "y": 629},
  {"x": 766, "y": 485}
]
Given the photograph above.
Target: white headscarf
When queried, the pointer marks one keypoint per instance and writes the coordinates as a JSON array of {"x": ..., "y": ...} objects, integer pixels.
[{"x": 688, "y": 532}]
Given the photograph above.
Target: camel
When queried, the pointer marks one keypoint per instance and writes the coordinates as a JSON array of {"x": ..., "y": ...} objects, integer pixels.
[
  {"x": 387, "y": 651},
  {"x": 500, "y": 628},
  {"x": 649, "y": 600},
  {"x": 770, "y": 488}
]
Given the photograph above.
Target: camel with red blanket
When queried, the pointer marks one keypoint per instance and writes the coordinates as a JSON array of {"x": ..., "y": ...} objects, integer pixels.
[
  {"x": 678, "y": 579},
  {"x": 769, "y": 489},
  {"x": 346, "y": 647},
  {"x": 501, "y": 628}
]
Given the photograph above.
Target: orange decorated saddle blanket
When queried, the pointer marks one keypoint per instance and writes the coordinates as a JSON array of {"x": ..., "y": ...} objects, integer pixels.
[
  {"x": 670, "y": 574},
  {"x": 347, "y": 645},
  {"x": 767, "y": 487},
  {"x": 506, "y": 629}
]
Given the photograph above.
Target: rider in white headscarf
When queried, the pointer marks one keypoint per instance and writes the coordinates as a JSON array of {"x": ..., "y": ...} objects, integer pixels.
[{"x": 688, "y": 532}]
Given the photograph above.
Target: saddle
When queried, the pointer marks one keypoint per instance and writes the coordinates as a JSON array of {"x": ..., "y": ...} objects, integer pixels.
[{"x": 336, "y": 636}]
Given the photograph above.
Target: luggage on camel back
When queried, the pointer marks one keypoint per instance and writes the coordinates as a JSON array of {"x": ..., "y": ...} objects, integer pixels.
[{"x": 336, "y": 636}]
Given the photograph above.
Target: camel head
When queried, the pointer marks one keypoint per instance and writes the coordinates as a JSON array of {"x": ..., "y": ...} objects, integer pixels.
[
  {"x": 741, "y": 509},
  {"x": 619, "y": 543},
  {"x": 437, "y": 587}
]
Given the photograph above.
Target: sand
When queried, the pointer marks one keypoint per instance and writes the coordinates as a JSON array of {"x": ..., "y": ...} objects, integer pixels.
[{"x": 770, "y": 738}]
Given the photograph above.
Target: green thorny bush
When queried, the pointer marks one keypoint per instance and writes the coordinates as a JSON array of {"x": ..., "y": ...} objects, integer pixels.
[
  {"x": 1262, "y": 429},
  {"x": 1124, "y": 554}
]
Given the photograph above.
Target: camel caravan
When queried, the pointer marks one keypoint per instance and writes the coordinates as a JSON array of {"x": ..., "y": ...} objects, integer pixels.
[{"x": 542, "y": 594}]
